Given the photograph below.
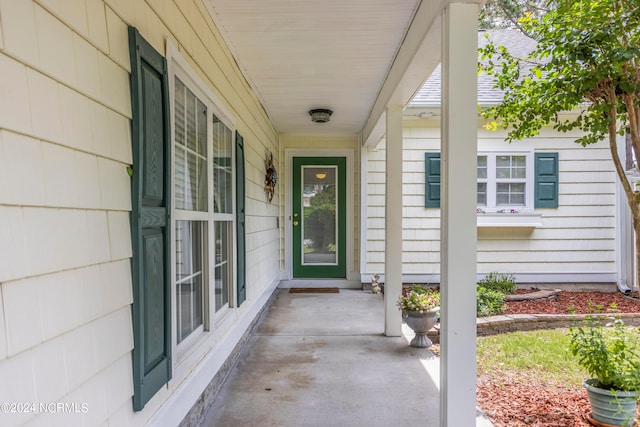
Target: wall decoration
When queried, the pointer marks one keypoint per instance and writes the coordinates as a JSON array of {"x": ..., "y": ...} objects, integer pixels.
[{"x": 271, "y": 178}]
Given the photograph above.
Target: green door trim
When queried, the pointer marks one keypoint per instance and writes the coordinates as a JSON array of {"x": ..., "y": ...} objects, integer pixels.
[{"x": 338, "y": 270}]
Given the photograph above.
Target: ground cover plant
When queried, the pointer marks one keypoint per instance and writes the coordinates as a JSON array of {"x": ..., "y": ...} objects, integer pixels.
[
  {"x": 505, "y": 283},
  {"x": 489, "y": 302},
  {"x": 491, "y": 291}
]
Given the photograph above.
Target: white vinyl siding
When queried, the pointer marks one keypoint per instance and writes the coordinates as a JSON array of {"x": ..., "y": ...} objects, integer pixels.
[
  {"x": 65, "y": 201},
  {"x": 578, "y": 237}
]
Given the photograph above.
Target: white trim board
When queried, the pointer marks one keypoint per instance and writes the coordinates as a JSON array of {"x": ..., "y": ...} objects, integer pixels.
[{"x": 364, "y": 203}]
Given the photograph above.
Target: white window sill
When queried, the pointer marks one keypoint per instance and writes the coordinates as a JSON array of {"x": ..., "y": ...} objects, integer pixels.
[{"x": 520, "y": 219}]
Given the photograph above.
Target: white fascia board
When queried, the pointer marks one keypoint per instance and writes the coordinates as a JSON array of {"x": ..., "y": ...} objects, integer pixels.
[{"x": 416, "y": 59}]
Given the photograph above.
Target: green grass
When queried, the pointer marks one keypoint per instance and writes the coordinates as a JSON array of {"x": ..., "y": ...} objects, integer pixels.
[{"x": 543, "y": 355}]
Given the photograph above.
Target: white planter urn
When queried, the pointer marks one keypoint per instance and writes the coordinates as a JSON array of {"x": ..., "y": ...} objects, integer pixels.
[{"x": 421, "y": 323}]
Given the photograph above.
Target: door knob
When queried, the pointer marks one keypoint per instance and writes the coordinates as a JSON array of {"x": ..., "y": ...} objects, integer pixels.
[{"x": 295, "y": 223}]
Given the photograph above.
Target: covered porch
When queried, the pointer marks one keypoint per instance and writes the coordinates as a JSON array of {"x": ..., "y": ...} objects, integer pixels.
[
  {"x": 303, "y": 57},
  {"x": 320, "y": 359}
]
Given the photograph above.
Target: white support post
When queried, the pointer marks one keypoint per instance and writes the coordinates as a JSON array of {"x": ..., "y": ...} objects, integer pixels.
[
  {"x": 393, "y": 223},
  {"x": 458, "y": 215}
]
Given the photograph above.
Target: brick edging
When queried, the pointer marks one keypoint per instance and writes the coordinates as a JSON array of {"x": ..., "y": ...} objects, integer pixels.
[
  {"x": 493, "y": 325},
  {"x": 528, "y": 322}
]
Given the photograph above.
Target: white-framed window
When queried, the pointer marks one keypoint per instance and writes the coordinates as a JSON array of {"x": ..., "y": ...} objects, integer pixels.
[
  {"x": 203, "y": 220},
  {"x": 505, "y": 181}
]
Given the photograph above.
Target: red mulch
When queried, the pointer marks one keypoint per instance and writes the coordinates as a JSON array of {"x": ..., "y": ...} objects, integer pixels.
[
  {"x": 578, "y": 300},
  {"x": 510, "y": 402}
]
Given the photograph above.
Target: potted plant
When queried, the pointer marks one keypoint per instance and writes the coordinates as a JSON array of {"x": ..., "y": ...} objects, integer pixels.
[
  {"x": 610, "y": 352},
  {"x": 420, "y": 309}
]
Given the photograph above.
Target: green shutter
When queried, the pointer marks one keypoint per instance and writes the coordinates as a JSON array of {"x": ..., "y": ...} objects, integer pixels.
[
  {"x": 150, "y": 233},
  {"x": 546, "y": 182},
  {"x": 432, "y": 180},
  {"x": 240, "y": 221}
]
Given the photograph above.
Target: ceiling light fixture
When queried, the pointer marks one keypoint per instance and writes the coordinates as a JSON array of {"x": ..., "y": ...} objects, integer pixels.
[
  {"x": 321, "y": 175},
  {"x": 320, "y": 115}
]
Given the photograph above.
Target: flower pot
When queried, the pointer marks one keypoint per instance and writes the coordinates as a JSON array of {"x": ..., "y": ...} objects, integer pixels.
[
  {"x": 611, "y": 407},
  {"x": 420, "y": 323}
]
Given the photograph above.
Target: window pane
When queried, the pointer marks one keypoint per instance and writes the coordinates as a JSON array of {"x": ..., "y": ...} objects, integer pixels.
[
  {"x": 482, "y": 166},
  {"x": 517, "y": 194},
  {"x": 201, "y": 136},
  {"x": 517, "y": 199},
  {"x": 190, "y": 268},
  {"x": 503, "y": 167},
  {"x": 223, "y": 268},
  {"x": 180, "y": 179},
  {"x": 190, "y": 150},
  {"x": 195, "y": 191},
  {"x": 191, "y": 122},
  {"x": 319, "y": 221},
  {"x": 511, "y": 167},
  {"x": 519, "y": 167},
  {"x": 510, "y": 194},
  {"x": 179, "y": 108},
  {"x": 482, "y": 194},
  {"x": 222, "y": 150}
]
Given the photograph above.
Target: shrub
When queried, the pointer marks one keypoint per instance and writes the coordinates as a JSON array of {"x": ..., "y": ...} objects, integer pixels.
[
  {"x": 609, "y": 351},
  {"x": 505, "y": 283},
  {"x": 489, "y": 302}
]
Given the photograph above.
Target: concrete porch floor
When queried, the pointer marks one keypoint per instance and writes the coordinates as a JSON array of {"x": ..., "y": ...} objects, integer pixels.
[{"x": 322, "y": 360}]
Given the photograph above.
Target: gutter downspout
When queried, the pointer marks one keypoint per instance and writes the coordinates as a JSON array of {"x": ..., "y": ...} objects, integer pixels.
[{"x": 625, "y": 248}]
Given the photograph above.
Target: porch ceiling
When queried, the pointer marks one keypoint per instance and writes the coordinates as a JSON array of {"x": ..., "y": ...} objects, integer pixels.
[{"x": 303, "y": 54}]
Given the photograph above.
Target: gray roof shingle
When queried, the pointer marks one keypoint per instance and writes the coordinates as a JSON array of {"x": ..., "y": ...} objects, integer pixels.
[{"x": 517, "y": 44}]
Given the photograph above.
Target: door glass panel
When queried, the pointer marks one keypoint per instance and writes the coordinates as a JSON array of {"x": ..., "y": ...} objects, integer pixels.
[{"x": 319, "y": 215}]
